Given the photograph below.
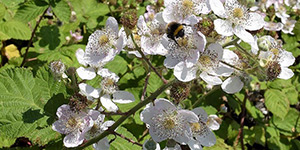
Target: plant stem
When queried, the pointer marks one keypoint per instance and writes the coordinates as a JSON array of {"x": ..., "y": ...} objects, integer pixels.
[
  {"x": 130, "y": 112},
  {"x": 147, "y": 60},
  {"x": 233, "y": 42},
  {"x": 127, "y": 139},
  {"x": 31, "y": 38},
  {"x": 241, "y": 134},
  {"x": 145, "y": 87}
]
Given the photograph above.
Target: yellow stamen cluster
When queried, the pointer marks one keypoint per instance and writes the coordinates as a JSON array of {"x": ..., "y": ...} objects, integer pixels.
[
  {"x": 187, "y": 4},
  {"x": 195, "y": 127},
  {"x": 103, "y": 39},
  {"x": 238, "y": 13},
  {"x": 169, "y": 123}
]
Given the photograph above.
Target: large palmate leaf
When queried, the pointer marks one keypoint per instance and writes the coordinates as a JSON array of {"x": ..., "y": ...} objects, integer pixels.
[
  {"x": 28, "y": 104},
  {"x": 61, "y": 9},
  {"x": 30, "y": 11},
  {"x": 14, "y": 29},
  {"x": 277, "y": 102}
]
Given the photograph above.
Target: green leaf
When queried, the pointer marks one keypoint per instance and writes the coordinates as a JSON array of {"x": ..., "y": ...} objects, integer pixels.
[
  {"x": 50, "y": 38},
  {"x": 28, "y": 104},
  {"x": 61, "y": 9},
  {"x": 277, "y": 102},
  {"x": 120, "y": 143},
  {"x": 14, "y": 29},
  {"x": 290, "y": 124},
  {"x": 30, "y": 11},
  {"x": 118, "y": 65},
  {"x": 220, "y": 144},
  {"x": 292, "y": 94}
]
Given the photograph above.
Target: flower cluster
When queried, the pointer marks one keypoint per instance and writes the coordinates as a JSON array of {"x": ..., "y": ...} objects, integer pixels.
[{"x": 216, "y": 57}]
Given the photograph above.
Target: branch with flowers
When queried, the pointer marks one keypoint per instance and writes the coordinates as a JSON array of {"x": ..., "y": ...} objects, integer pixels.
[{"x": 172, "y": 74}]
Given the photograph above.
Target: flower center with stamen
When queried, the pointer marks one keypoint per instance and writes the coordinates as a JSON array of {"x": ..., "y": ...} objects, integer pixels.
[
  {"x": 109, "y": 85},
  {"x": 73, "y": 123},
  {"x": 169, "y": 123},
  {"x": 195, "y": 127},
  {"x": 275, "y": 51},
  {"x": 103, "y": 39},
  {"x": 187, "y": 4},
  {"x": 205, "y": 60},
  {"x": 182, "y": 41},
  {"x": 238, "y": 13}
]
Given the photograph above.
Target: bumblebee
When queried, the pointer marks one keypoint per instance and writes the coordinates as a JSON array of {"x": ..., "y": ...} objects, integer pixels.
[{"x": 175, "y": 30}]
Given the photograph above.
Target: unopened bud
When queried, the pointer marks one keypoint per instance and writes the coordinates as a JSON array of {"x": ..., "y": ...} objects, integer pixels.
[
  {"x": 273, "y": 70},
  {"x": 57, "y": 68},
  {"x": 78, "y": 102},
  {"x": 129, "y": 19},
  {"x": 205, "y": 26},
  {"x": 180, "y": 91}
]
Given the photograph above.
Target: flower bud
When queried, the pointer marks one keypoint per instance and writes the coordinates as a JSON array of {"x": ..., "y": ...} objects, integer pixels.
[
  {"x": 180, "y": 91},
  {"x": 57, "y": 68},
  {"x": 129, "y": 19}
]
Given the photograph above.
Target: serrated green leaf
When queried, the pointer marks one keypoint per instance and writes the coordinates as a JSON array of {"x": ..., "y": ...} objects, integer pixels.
[
  {"x": 15, "y": 29},
  {"x": 277, "y": 102},
  {"x": 292, "y": 94},
  {"x": 120, "y": 143},
  {"x": 220, "y": 144},
  {"x": 30, "y": 11},
  {"x": 28, "y": 104},
  {"x": 290, "y": 124},
  {"x": 61, "y": 9}
]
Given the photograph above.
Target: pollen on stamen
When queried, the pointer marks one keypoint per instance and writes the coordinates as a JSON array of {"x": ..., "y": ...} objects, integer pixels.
[
  {"x": 275, "y": 51},
  {"x": 187, "y": 4},
  {"x": 169, "y": 123},
  {"x": 103, "y": 39},
  {"x": 238, "y": 13},
  {"x": 195, "y": 127}
]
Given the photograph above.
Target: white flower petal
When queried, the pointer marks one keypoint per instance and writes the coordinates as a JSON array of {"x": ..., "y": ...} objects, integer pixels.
[
  {"x": 212, "y": 123},
  {"x": 88, "y": 90},
  {"x": 188, "y": 116},
  {"x": 200, "y": 112},
  {"x": 107, "y": 124},
  {"x": 80, "y": 56},
  {"x": 103, "y": 144},
  {"x": 286, "y": 59},
  {"x": 223, "y": 27},
  {"x": 123, "y": 97},
  {"x": 207, "y": 138},
  {"x": 170, "y": 62},
  {"x": 194, "y": 145},
  {"x": 243, "y": 34},
  {"x": 285, "y": 73},
  {"x": 108, "y": 104},
  {"x": 73, "y": 139},
  {"x": 86, "y": 73},
  {"x": 218, "y": 8},
  {"x": 212, "y": 80},
  {"x": 155, "y": 137},
  {"x": 105, "y": 73},
  {"x": 184, "y": 74},
  {"x": 230, "y": 57},
  {"x": 223, "y": 70},
  {"x": 254, "y": 22},
  {"x": 112, "y": 23},
  {"x": 232, "y": 85}
]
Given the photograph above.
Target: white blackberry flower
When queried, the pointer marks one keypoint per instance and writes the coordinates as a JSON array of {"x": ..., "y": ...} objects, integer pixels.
[
  {"x": 237, "y": 19},
  {"x": 111, "y": 92},
  {"x": 165, "y": 121}
]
